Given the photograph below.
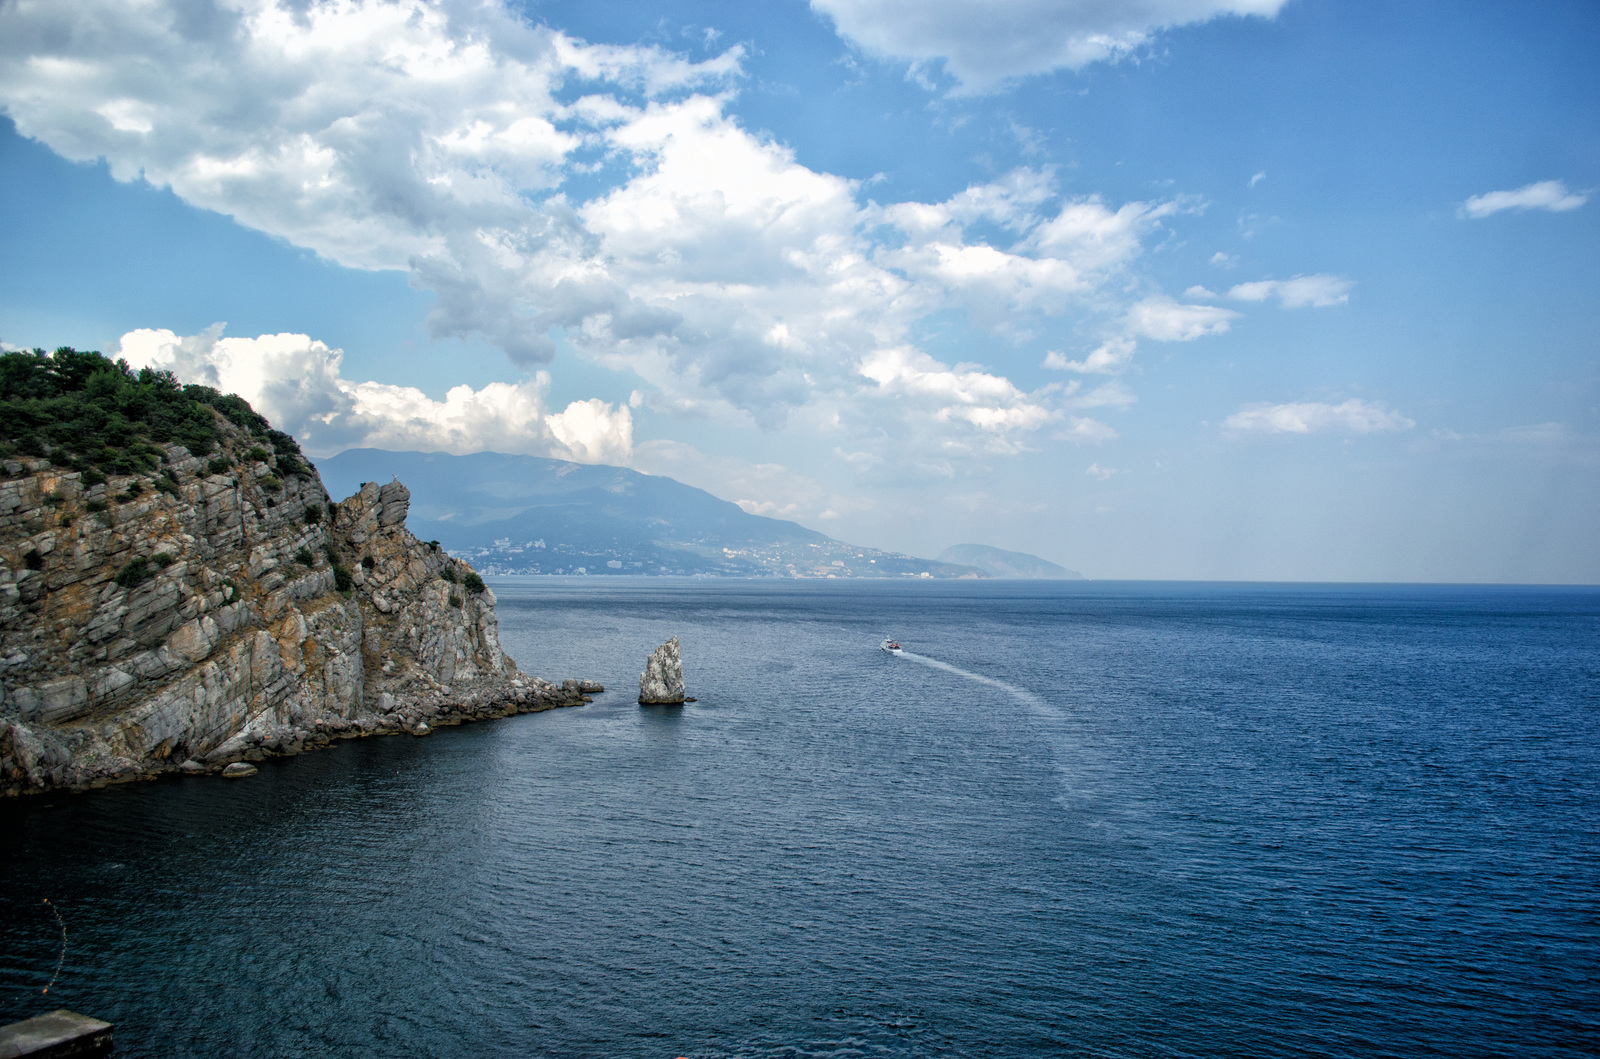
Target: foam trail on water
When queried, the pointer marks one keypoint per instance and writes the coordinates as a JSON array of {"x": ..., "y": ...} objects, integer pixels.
[
  {"x": 1022, "y": 695},
  {"x": 1048, "y": 717}
]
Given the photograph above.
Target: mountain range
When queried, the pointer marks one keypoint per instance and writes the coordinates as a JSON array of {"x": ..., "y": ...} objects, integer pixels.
[
  {"x": 530, "y": 515},
  {"x": 997, "y": 562}
]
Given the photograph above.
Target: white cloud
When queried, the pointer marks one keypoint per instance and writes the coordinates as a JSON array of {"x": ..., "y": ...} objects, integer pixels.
[
  {"x": 989, "y": 403},
  {"x": 781, "y": 304},
  {"x": 592, "y": 431},
  {"x": 382, "y": 134},
  {"x": 295, "y": 381},
  {"x": 1062, "y": 257},
  {"x": 1308, "y": 417},
  {"x": 1102, "y": 473},
  {"x": 1110, "y": 357},
  {"x": 1165, "y": 320},
  {"x": 1258, "y": 178},
  {"x": 1321, "y": 291},
  {"x": 437, "y": 137},
  {"x": 1156, "y": 317},
  {"x": 982, "y": 45},
  {"x": 1549, "y": 195}
]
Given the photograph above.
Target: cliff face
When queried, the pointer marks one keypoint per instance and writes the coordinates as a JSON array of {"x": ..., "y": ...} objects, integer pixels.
[{"x": 214, "y": 611}]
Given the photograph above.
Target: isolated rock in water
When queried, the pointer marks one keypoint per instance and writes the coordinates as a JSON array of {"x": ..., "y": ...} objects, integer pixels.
[
  {"x": 661, "y": 683},
  {"x": 239, "y": 769}
]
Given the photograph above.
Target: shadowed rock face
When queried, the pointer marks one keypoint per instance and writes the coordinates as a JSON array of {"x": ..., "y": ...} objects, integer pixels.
[
  {"x": 661, "y": 683},
  {"x": 227, "y": 635}
]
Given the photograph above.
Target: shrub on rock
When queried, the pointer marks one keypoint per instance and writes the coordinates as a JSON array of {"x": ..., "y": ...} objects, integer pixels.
[{"x": 134, "y": 572}]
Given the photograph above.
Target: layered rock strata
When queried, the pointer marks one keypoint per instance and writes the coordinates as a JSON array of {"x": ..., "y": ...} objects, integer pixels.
[
  {"x": 196, "y": 619},
  {"x": 661, "y": 683}
]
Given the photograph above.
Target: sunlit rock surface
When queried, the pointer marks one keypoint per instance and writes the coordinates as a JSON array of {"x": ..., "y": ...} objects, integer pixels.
[{"x": 661, "y": 683}]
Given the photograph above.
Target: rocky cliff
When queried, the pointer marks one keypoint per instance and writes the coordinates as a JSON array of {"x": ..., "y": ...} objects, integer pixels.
[{"x": 215, "y": 608}]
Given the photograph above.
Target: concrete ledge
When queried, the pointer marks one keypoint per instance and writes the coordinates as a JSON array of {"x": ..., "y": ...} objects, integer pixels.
[{"x": 62, "y": 1034}]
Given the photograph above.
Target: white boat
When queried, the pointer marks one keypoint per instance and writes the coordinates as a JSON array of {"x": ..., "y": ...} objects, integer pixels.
[{"x": 890, "y": 646}]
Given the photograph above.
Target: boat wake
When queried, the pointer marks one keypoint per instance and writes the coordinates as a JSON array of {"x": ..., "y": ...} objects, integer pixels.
[
  {"x": 1022, "y": 695},
  {"x": 1047, "y": 719}
]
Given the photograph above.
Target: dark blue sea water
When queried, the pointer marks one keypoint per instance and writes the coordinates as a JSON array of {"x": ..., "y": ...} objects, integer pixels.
[{"x": 1080, "y": 819}]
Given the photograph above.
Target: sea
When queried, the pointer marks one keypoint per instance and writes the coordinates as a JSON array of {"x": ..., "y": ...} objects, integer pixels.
[{"x": 1073, "y": 819}]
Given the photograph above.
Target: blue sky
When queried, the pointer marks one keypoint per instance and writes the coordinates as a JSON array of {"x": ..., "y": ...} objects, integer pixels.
[{"x": 1169, "y": 288}]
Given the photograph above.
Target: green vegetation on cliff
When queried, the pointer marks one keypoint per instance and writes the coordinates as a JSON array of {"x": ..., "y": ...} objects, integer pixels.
[{"x": 85, "y": 411}]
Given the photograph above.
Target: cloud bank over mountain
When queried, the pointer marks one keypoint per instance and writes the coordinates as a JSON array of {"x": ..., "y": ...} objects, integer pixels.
[{"x": 296, "y": 381}]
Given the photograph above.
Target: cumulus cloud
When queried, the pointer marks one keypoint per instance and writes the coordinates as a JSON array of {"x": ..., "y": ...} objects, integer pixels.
[
  {"x": 1109, "y": 358},
  {"x": 1061, "y": 257},
  {"x": 382, "y": 134},
  {"x": 987, "y": 402},
  {"x": 1549, "y": 195},
  {"x": 1156, "y": 317},
  {"x": 1321, "y": 291},
  {"x": 296, "y": 381},
  {"x": 436, "y": 137},
  {"x": 1165, "y": 320},
  {"x": 1308, "y": 417},
  {"x": 592, "y": 431},
  {"x": 982, "y": 45}
]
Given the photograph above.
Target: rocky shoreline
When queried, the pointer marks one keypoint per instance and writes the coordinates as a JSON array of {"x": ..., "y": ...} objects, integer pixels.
[{"x": 515, "y": 699}]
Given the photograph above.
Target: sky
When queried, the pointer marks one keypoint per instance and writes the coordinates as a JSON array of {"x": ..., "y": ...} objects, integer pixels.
[{"x": 1210, "y": 289}]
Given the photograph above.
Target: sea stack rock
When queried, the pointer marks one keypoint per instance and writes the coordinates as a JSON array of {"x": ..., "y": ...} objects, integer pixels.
[{"x": 661, "y": 683}]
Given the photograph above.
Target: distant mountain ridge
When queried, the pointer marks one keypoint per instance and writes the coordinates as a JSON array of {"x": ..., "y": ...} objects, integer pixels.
[
  {"x": 997, "y": 562},
  {"x": 528, "y": 514}
]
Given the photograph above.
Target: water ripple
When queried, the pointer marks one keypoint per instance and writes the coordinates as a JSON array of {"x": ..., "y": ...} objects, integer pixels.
[{"x": 1086, "y": 820}]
